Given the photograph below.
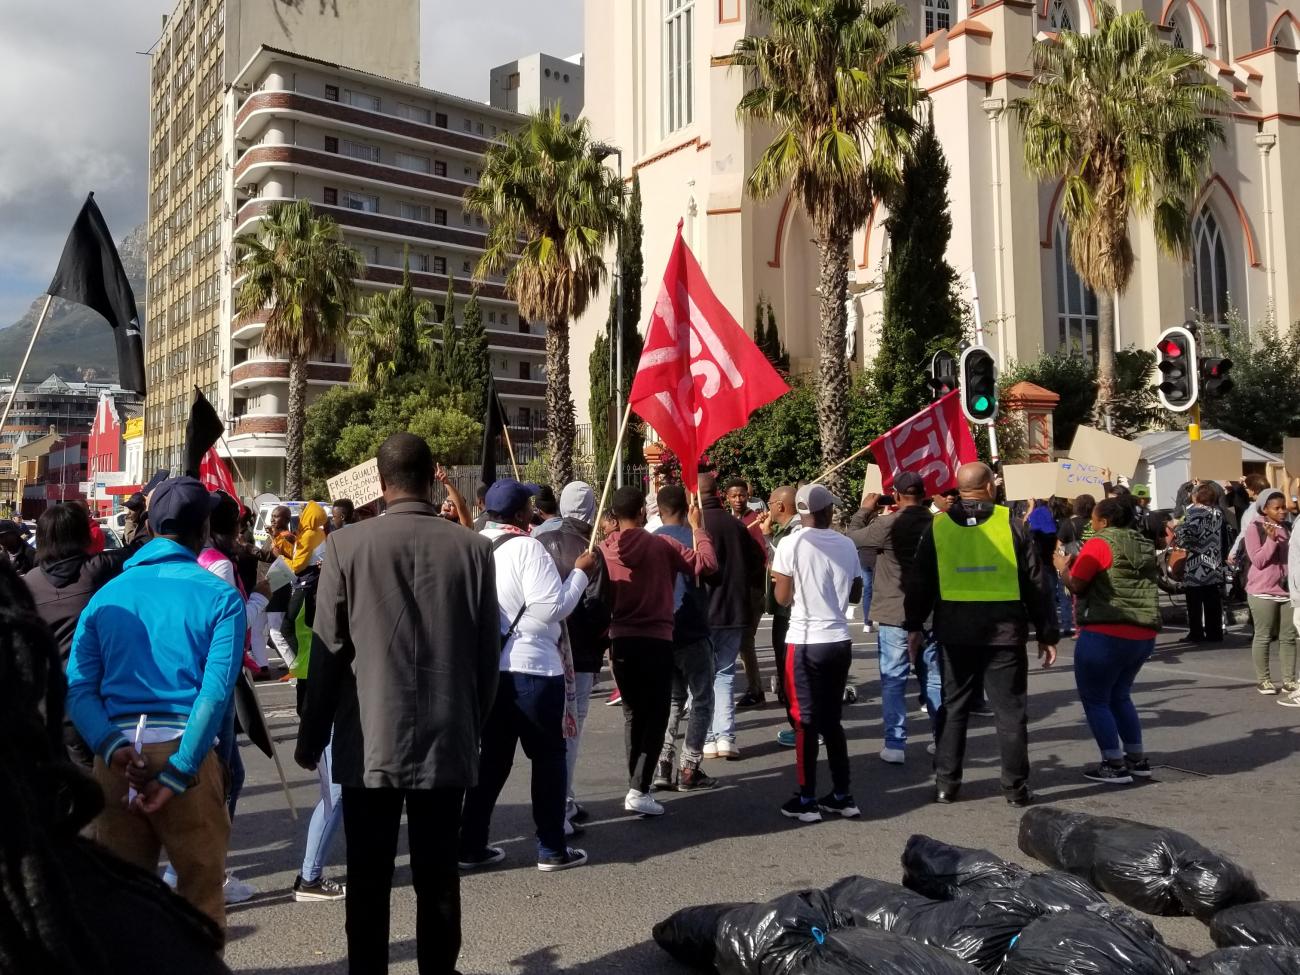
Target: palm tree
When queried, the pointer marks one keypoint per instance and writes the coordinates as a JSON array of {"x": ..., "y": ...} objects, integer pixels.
[
  {"x": 299, "y": 269},
  {"x": 1125, "y": 119},
  {"x": 839, "y": 88},
  {"x": 551, "y": 207},
  {"x": 391, "y": 337}
]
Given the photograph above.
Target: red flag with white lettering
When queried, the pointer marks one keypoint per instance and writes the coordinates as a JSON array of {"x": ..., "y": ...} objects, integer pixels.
[
  {"x": 933, "y": 443},
  {"x": 215, "y": 475},
  {"x": 700, "y": 374}
]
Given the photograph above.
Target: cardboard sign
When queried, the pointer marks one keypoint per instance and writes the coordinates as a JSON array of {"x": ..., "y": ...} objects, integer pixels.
[
  {"x": 872, "y": 484},
  {"x": 1105, "y": 450},
  {"x": 360, "y": 485},
  {"x": 1025, "y": 481},
  {"x": 1074, "y": 479},
  {"x": 1215, "y": 460},
  {"x": 1291, "y": 456}
]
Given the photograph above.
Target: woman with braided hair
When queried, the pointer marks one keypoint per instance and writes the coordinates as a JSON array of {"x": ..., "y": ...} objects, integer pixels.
[{"x": 65, "y": 903}]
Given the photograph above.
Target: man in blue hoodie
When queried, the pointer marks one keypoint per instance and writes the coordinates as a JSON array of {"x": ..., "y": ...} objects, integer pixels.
[{"x": 153, "y": 665}]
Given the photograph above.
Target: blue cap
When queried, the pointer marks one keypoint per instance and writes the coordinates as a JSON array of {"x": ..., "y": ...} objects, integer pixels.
[
  {"x": 507, "y": 497},
  {"x": 179, "y": 506}
]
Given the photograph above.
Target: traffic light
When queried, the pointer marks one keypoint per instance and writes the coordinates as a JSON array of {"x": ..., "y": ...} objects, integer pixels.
[
  {"x": 979, "y": 385},
  {"x": 1176, "y": 360},
  {"x": 1215, "y": 380},
  {"x": 942, "y": 378}
]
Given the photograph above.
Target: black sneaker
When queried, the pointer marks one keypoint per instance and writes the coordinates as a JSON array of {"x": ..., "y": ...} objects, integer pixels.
[
  {"x": 804, "y": 810},
  {"x": 663, "y": 774},
  {"x": 695, "y": 780},
  {"x": 486, "y": 857},
  {"x": 320, "y": 889},
  {"x": 1022, "y": 800},
  {"x": 1139, "y": 768},
  {"x": 1108, "y": 774},
  {"x": 752, "y": 700},
  {"x": 983, "y": 711},
  {"x": 845, "y": 807},
  {"x": 567, "y": 860}
]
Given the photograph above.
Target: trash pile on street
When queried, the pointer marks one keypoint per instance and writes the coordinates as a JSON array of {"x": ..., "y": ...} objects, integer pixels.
[{"x": 962, "y": 911}]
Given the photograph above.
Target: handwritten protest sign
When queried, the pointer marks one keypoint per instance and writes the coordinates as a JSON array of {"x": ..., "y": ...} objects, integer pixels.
[
  {"x": 1215, "y": 460},
  {"x": 360, "y": 485},
  {"x": 1025, "y": 481},
  {"x": 1075, "y": 478},
  {"x": 1107, "y": 451}
]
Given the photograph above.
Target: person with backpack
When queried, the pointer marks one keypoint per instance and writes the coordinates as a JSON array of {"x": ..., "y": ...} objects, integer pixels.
[{"x": 1267, "y": 543}]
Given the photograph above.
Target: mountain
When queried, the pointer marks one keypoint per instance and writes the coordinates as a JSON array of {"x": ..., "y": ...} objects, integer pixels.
[{"x": 75, "y": 342}]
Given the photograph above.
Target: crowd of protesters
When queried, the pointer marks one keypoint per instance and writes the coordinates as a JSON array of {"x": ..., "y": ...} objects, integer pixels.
[{"x": 428, "y": 646}]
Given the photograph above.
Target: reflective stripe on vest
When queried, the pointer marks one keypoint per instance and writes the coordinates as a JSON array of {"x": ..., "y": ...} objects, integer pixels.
[{"x": 977, "y": 563}]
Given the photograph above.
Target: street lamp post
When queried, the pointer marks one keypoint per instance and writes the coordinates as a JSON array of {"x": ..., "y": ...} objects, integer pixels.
[{"x": 602, "y": 151}]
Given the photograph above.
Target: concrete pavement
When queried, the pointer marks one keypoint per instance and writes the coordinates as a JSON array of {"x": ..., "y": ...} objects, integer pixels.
[{"x": 1225, "y": 772}]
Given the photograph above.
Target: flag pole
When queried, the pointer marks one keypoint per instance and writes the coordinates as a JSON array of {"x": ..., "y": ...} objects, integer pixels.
[
  {"x": 600, "y": 508},
  {"x": 505, "y": 431},
  {"x": 27, "y": 355},
  {"x": 847, "y": 460}
]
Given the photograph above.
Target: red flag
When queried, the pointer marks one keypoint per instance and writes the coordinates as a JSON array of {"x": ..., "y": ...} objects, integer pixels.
[
  {"x": 700, "y": 374},
  {"x": 934, "y": 443},
  {"x": 215, "y": 475}
]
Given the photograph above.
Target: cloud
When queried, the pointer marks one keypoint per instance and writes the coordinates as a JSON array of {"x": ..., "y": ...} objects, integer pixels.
[{"x": 76, "y": 115}]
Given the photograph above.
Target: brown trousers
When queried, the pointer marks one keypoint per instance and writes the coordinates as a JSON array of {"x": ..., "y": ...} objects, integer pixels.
[{"x": 193, "y": 827}]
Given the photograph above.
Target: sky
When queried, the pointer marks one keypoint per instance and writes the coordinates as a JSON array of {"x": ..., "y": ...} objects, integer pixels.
[{"x": 75, "y": 117}]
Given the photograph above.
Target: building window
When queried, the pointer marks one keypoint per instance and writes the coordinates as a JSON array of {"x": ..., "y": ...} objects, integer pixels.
[
  {"x": 413, "y": 112},
  {"x": 332, "y": 92},
  {"x": 360, "y": 99},
  {"x": 359, "y": 150},
  {"x": 938, "y": 16},
  {"x": 420, "y": 262},
  {"x": 478, "y": 127},
  {"x": 413, "y": 211},
  {"x": 1059, "y": 16},
  {"x": 440, "y": 216},
  {"x": 523, "y": 326},
  {"x": 1209, "y": 270},
  {"x": 330, "y": 196},
  {"x": 525, "y": 370},
  {"x": 465, "y": 267},
  {"x": 678, "y": 60},
  {"x": 331, "y": 143},
  {"x": 1076, "y": 304},
  {"x": 439, "y": 168},
  {"x": 416, "y": 164},
  {"x": 366, "y": 202},
  {"x": 440, "y": 120},
  {"x": 525, "y": 418},
  {"x": 439, "y": 265},
  {"x": 469, "y": 125}
]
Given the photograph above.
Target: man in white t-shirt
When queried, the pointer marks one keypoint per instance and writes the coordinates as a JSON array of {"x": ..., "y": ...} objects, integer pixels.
[{"x": 815, "y": 572}]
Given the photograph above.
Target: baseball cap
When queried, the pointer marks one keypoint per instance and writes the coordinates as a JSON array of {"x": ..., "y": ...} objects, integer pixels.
[
  {"x": 909, "y": 482},
  {"x": 812, "y": 498},
  {"x": 506, "y": 497},
  {"x": 180, "y": 505},
  {"x": 1140, "y": 490}
]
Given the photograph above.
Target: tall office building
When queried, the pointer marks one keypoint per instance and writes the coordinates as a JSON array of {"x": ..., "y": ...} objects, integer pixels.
[{"x": 203, "y": 45}]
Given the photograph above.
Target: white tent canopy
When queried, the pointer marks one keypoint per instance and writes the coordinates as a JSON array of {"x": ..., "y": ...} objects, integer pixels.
[{"x": 1165, "y": 465}]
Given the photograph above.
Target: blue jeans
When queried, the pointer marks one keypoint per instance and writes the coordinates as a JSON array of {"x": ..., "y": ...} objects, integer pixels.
[
  {"x": 325, "y": 822},
  {"x": 1064, "y": 604},
  {"x": 726, "y": 647},
  {"x": 228, "y": 751},
  {"x": 1104, "y": 670},
  {"x": 894, "y": 670},
  {"x": 868, "y": 577},
  {"x": 527, "y": 711}
]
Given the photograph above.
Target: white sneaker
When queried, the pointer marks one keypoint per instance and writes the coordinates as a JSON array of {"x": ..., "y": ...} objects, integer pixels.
[
  {"x": 725, "y": 749},
  {"x": 642, "y": 804},
  {"x": 710, "y": 749},
  {"x": 894, "y": 756},
  {"x": 237, "y": 891},
  {"x": 930, "y": 749},
  {"x": 1290, "y": 700}
]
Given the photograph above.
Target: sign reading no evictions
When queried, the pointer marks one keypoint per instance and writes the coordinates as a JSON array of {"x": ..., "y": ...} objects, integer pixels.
[{"x": 360, "y": 485}]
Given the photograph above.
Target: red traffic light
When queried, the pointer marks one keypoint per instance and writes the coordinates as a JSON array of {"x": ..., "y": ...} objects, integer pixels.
[{"x": 1172, "y": 348}]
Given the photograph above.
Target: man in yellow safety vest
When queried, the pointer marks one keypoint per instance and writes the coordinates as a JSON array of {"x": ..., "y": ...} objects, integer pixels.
[{"x": 979, "y": 575}]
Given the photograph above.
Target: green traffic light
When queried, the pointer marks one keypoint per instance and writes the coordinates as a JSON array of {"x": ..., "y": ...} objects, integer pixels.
[{"x": 981, "y": 404}]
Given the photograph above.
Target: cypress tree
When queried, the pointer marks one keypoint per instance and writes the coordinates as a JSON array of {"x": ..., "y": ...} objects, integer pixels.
[{"x": 473, "y": 360}]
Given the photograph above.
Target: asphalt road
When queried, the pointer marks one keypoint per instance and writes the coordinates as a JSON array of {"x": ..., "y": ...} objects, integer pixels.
[{"x": 1225, "y": 772}]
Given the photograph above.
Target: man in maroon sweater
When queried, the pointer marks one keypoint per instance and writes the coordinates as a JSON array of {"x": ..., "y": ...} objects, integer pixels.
[{"x": 641, "y": 569}]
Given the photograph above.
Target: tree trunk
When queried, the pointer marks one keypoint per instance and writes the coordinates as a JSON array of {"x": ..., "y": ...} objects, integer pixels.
[
  {"x": 294, "y": 423},
  {"x": 832, "y": 364},
  {"x": 560, "y": 432},
  {"x": 1105, "y": 360}
]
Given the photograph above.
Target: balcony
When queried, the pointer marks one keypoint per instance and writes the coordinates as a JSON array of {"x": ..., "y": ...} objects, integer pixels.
[
  {"x": 256, "y": 160},
  {"x": 262, "y": 371},
  {"x": 253, "y": 423}
]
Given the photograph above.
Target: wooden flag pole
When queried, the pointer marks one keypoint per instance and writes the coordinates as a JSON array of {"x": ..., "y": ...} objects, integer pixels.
[
  {"x": 847, "y": 460},
  {"x": 604, "y": 494},
  {"x": 18, "y": 379},
  {"x": 505, "y": 430}
]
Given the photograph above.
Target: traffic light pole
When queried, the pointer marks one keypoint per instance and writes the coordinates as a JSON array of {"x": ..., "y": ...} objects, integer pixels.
[{"x": 979, "y": 340}]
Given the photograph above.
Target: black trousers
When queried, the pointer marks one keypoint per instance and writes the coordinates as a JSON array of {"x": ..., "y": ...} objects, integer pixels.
[
  {"x": 643, "y": 670},
  {"x": 1204, "y": 612},
  {"x": 780, "y": 626},
  {"x": 1004, "y": 674},
  {"x": 370, "y": 822},
  {"x": 301, "y": 600},
  {"x": 815, "y": 676}
]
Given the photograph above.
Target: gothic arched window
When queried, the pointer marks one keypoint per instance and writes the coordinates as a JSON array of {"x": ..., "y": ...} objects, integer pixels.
[
  {"x": 1076, "y": 304},
  {"x": 1209, "y": 270}
]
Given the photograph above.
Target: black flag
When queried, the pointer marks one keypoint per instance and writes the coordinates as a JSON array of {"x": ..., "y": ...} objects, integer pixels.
[
  {"x": 90, "y": 273},
  {"x": 201, "y": 431},
  {"x": 494, "y": 421}
]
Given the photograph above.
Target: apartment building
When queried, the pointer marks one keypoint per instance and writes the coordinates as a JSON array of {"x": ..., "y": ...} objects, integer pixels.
[
  {"x": 538, "y": 81},
  {"x": 203, "y": 44},
  {"x": 660, "y": 84},
  {"x": 390, "y": 162}
]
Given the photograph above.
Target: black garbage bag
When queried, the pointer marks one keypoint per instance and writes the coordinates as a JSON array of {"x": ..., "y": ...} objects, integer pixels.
[
  {"x": 1264, "y": 923},
  {"x": 1088, "y": 943},
  {"x": 942, "y": 871},
  {"x": 870, "y": 951},
  {"x": 863, "y": 902},
  {"x": 773, "y": 938},
  {"x": 688, "y": 935},
  {"x": 1156, "y": 870},
  {"x": 1055, "y": 891},
  {"x": 1257, "y": 960},
  {"x": 977, "y": 928}
]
